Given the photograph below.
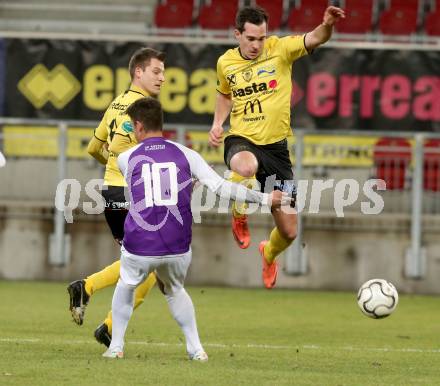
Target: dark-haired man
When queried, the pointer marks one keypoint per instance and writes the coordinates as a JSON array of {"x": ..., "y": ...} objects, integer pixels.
[
  {"x": 158, "y": 228},
  {"x": 254, "y": 87},
  {"x": 113, "y": 136}
]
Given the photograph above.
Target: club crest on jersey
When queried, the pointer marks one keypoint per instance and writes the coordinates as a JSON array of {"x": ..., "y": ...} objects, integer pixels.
[
  {"x": 264, "y": 71},
  {"x": 127, "y": 127},
  {"x": 247, "y": 74}
]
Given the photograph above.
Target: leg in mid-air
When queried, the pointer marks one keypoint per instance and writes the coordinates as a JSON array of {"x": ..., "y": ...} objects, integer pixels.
[
  {"x": 80, "y": 291},
  {"x": 280, "y": 238},
  {"x": 243, "y": 165},
  {"x": 277, "y": 174}
]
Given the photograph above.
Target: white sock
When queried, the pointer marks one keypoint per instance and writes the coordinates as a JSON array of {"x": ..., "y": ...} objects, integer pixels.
[
  {"x": 122, "y": 308},
  {"x": 182, "y": 309}
]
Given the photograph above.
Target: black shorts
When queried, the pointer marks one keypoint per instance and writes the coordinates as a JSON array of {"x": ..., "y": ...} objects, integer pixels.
[
  {"x": 274, "y": 166},
  {"x": 116, "y": 209}
]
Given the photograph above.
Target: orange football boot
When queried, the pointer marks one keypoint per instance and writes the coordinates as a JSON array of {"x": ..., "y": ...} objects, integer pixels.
[
  {"x": 270, "y": 271},
  {"x": 240, "y": 230}
]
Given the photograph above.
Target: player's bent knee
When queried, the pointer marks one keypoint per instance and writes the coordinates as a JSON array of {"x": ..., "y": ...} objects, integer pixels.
[
  {"x": 289, "y": 234},
  {"x": 244, "y": 163},
  {"x": 245, "y": 171}
]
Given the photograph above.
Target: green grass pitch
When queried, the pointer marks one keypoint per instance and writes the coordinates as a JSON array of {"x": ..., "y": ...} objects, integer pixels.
[{"x": 252, "y": 336}]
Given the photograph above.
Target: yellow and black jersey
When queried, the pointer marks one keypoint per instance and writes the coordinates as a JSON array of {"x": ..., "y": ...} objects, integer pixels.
[
  {"x": 116, "y": 129},
  {"x": 261, "y": 89}
]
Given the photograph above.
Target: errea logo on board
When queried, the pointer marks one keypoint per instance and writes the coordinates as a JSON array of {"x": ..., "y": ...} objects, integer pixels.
[{"x": 41, "y": 85}]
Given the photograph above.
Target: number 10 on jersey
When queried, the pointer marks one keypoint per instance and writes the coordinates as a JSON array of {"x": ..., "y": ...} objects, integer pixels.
[{"x": 151, "y": 174}]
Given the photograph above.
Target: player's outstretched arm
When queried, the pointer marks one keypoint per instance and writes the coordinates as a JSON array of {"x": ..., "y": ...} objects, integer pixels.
[
  {"x": 229, "y": 190},
  {"x": 234, "y": 191},
  {"x": 223, "y": 106},
  {"x": 323, "y": 32}
]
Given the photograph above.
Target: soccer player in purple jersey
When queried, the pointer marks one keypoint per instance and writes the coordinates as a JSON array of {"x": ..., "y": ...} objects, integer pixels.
[{"x": 157, "y": 230}]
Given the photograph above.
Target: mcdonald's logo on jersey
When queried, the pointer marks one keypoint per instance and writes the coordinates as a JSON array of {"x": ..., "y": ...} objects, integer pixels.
[{"x": 251, "y": 105}]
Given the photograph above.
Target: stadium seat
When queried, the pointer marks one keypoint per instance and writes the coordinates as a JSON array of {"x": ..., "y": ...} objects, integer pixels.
[
  {"x": 358, "y": 17},
  {"x": 275, "y": 10},
  {"x": 392, "y": 157},
  {"x": 432, "y": 24},
  {"x": 174, "y": 14},
  {"x": 219, "y": 14},
  {"x": 431, "y": 165},
  {"x": 314, "y": 3},
  {"x": 398, "y": 21},
  {"x": 414, "y": 4},
  {"x": 305, "y": 18}
]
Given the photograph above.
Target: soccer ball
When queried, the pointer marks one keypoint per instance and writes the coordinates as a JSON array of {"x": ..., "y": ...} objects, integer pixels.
[{"x": 377, "y": 298}]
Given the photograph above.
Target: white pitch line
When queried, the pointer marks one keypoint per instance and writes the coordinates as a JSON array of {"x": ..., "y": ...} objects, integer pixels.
[{"x": 232, "y": 346}]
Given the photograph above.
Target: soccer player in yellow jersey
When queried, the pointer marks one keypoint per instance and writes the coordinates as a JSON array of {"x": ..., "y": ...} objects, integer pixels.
[
  {"x": 113, "y": 136},
  {"x": 254, "y": 88}
]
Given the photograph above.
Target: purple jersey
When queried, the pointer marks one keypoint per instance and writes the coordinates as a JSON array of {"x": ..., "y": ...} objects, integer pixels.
[
  {"x": 159, "y": 183},
  {"x": 159, "y": 178}
]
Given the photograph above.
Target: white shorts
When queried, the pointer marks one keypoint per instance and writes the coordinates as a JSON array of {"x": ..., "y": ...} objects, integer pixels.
[{"x": 170, "y": 269}]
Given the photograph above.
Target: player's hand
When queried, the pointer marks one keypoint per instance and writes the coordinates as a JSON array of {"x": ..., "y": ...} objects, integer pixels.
[
  {"x": 332, "y": 15},
  {"x": 278, "y": 198},
  {"x": 216, "y": 136}
]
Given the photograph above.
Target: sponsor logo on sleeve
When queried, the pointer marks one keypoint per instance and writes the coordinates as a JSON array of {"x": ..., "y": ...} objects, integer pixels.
[{"x": 127, "y": 127}]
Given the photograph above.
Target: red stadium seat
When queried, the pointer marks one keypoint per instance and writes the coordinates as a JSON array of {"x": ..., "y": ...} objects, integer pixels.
[
  {"x": 431, "y": 165},
  {"x": 275, "y": 10},
  {"x": 220, "y": 14},
  {"x": 432, "y": 24},
  {"x": 174, "y": 14},
  {"x": 305, "y": 18},
  {"x": 314, "y": 3},
  {"x": 398, "y": 21},
  {"x": 392, "y": 157},
  {"x": 414, "y": 4},
  {"x": 358, "y": 17}
]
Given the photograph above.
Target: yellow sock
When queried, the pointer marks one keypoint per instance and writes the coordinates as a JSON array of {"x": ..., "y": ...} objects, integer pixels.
[
  {"x": 143, "y": 290},
  {"x": 139, "y": 296},
  {"x": 239, "y": 208},
  {"x": 108, "y": 322},
  {"x": 104, "y": 278},
  {"x": 275, "y": 246}
]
